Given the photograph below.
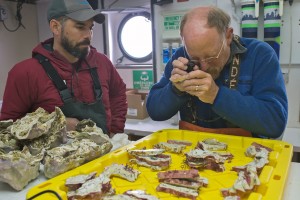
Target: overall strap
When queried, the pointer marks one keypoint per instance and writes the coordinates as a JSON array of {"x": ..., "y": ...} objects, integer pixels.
[
  {"x": 234, "y": 72},
  {"x": 96, "y": 81},
  {"x": 54, "y": 76},
  {"x": 234, "y": 68}
]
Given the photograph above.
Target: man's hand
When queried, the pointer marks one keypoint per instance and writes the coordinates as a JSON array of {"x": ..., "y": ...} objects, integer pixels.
[
  {"x": 71, "y": 123},
  {"x": 197, "y": 83},
  {"x": 179, "y": 73},
  {"x": 202, "y": 85}
]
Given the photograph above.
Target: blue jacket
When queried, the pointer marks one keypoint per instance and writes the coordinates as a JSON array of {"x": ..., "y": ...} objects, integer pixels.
[{"x": 259, "y": 104}]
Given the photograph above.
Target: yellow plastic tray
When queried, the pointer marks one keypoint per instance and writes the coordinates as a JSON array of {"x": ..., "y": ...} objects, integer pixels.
[{"x": 272, "y": 177}]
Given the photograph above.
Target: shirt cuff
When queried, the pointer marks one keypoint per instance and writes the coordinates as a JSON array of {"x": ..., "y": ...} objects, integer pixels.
[{"x": 178, "y": 92}]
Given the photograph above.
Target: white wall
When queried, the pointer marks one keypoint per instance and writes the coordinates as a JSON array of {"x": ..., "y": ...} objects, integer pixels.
[
  {"x": 16, "y": 46},
  {"x": 290, "y": 59},
  {"x": 43, "y": 25},
  {"x": 289, "y": 56}
]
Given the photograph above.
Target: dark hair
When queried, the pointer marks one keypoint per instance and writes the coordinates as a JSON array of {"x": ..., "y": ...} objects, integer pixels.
[{"x": 216, "y": 17}]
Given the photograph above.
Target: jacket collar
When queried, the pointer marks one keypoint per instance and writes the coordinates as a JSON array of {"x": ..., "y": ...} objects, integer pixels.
[{"x": 236, "y": 47}]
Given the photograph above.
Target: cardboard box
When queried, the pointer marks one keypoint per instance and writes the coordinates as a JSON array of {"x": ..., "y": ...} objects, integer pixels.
[{"x": 136, "y": 105}]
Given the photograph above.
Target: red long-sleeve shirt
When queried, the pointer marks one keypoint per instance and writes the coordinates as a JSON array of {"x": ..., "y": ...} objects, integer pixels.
[{"x": 29, "y": 87}]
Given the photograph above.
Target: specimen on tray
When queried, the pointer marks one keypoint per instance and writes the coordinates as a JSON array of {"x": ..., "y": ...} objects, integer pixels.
[
  {"x": 151, "y": 158},
  {"x": 182, "y": 183},
  {"x": 93, "y": 188}
]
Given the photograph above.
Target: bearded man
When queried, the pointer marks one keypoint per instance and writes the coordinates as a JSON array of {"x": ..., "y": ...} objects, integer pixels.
[{"x": 67, "y": 72}]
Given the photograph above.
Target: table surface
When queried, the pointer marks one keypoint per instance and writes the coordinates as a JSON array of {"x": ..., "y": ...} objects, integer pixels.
[
  {"x": 290, "y": 192},
  {"x": 292, "y": 136},
  {"x": 147, "y": 126}
]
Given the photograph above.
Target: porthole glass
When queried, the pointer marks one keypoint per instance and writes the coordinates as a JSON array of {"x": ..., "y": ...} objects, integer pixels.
[{"x": 135, "y": 37}]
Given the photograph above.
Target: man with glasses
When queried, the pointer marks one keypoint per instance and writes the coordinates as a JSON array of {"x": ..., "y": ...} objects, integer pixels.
[{"x": 220, "y": 82}]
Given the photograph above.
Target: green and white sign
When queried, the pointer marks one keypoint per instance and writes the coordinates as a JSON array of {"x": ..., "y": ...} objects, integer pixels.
[
  {"x": 172, "y": 22},
  {"x": 142, "y": 79}
]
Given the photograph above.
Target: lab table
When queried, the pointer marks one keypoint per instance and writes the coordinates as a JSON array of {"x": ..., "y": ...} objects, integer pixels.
[
  {"x": 147, "y": 126},
  {"x": 292, "y": 136}
]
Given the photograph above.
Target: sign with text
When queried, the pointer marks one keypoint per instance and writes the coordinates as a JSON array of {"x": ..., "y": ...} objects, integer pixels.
[
  {"x": 142, "y": 79},
  {"x": 172, "y": 22}
]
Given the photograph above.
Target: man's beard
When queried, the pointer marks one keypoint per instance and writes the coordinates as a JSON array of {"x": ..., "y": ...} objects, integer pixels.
[{"x": 75, "y": 50}]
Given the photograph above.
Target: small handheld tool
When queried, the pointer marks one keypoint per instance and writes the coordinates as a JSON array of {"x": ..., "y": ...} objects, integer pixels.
[{"x": 190, "y": 66}]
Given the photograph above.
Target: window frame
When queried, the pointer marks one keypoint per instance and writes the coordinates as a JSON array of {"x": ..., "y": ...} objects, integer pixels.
[{"x": 120, "y": 29}]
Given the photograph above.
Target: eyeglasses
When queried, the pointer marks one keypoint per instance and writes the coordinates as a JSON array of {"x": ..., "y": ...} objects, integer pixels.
[{"x": 206, "y": 60}]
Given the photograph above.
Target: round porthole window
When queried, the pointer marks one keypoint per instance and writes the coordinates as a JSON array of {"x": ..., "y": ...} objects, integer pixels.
[{"x": 135, "y": 37}]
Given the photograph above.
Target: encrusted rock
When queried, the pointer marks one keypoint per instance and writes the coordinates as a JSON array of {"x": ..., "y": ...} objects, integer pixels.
[
  {"x": 87, "y": 129},
  {"x": 18, "y": 168},
  {"x": 55, "y": 136},
  {"x": 8, "y": 143},
  {"x": 33, "y": 125},
  {"x": 5, "y": 123},
  {"x": 40, "y": 132},
  {"x": 61, "y": 159}
]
